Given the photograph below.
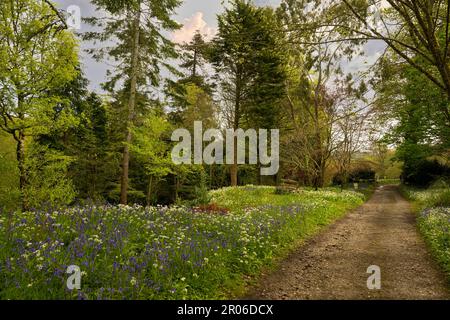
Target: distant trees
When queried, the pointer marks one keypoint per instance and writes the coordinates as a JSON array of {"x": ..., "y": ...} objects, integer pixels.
[
  {"x": 351, "y": 130},
  {"x": 421, "y": 132},
  {"x": 37, "y": 55}
]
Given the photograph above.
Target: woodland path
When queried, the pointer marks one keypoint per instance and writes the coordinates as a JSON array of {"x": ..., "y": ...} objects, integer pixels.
[{"x": 333, "y": 265}]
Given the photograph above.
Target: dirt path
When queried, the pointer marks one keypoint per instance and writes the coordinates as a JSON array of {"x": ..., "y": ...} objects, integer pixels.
[{"x": 333, "y": 265}]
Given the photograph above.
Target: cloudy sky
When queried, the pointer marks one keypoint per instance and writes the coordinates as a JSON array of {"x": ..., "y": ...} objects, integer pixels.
[{"x": 194, "y": 15}]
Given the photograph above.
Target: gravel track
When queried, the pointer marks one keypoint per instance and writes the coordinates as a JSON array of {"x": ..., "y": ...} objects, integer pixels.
[{"x": 333, "y": 265}]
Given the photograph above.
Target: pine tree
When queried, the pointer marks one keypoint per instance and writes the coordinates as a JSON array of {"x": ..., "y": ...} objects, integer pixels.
[
  {"x": 249, "y": 63},
  {"x": 140, "y": 49}
]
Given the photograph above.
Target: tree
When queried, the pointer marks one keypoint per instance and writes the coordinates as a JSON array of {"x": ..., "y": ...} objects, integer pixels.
[
  {"x": 350, "y": 131},
  {"x": 380, "y": 152},
  {"x": 417, "y": 31},
  {"x": 194, "y": 62},
  {"x": 247, "y": 58},
  {"x": 37, "y": 55},
  {"x": 92, "y": 146},
  {"x": 151, "y": 147},
  {"x": 140, "y": 50},
  {"x": 318, "y": 91}
]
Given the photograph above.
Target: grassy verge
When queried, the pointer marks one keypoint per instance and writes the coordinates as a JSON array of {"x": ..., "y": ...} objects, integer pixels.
[
  {"x": 160, "y": 253},
  {"x": 433, "y": 208}
]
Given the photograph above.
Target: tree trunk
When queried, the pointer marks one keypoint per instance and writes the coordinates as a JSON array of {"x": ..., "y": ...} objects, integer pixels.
[
  {"x": 319, "y": 172},
  {"x": 259, "y": 174},
  {"x": 149, "y": 192},
  {"x": 211, "y": 176},
  {"x": 23, "y": 181},
  {"x": 131, "y": 107},
  {"x": 233, "y": 173},
  {"x": 177, "y": 187},
  {"x": 234, "y": 166},
  {"x": 237, "y": 115}
]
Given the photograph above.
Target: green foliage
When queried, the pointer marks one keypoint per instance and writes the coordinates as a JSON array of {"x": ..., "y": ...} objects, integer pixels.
[
  {"x": 48, "y": 180},
  {"x": 9, "y": 181},
  {"x": 36, "y": 56},
  {"x": 435, "y": 226},
  {"x": 442, "y": 199},
  {"x": 422, "y": 173},
  {"x": 421, "y": 132},
  {"x": 201, "y": 192},
  {"x": 151, "y": 150},
  {"x": 92, "y": 147},
  {"x": 190, "y": 184},
  {"x": 250, "y": 63},
  {"x": 156, "y": 17}
]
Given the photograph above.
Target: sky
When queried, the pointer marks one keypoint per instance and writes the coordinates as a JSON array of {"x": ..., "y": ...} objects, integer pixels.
[{"x": 194, "y": 15}]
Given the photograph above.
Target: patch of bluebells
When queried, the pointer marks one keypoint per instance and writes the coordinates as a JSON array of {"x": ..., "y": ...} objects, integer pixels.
[
  {"x": 132, "y": 252},
  {"x": 433, "y": 211},
  {"x": 434, "y": 224}
]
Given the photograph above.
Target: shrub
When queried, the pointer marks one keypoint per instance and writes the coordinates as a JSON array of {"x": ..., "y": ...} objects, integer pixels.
[
  {"x": 362, "y": 174},
  {"x": 201, "y": 196},
  {"x": 424, "y": 173}
]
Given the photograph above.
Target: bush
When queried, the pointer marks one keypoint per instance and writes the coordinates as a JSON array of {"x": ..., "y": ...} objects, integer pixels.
[
  {"x": 9, "y": 174},
  {"x": 362, "y": 175},
  {"x": 424, "y": 173},
  {"x": 201, "y": 196}
]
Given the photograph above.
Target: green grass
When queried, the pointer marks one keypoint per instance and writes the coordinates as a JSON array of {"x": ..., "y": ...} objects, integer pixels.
[
  {"x": 161, "y": 253},
  {"x": 240, "y": 198},
  {"x": 433, "y": 208}
]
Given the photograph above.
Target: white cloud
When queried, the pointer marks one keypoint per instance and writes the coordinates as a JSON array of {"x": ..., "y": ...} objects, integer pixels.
[{"x": 190, "y": 27}]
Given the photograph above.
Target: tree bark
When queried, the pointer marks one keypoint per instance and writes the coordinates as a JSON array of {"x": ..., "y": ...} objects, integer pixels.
[
  {"x": 237, "y": 116},
  {"x": 149, "y": 192},
  {"x": 131, "y": 107},
  {"x": 234, "y": 170},
  {"x": 23, "y": 181}
]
